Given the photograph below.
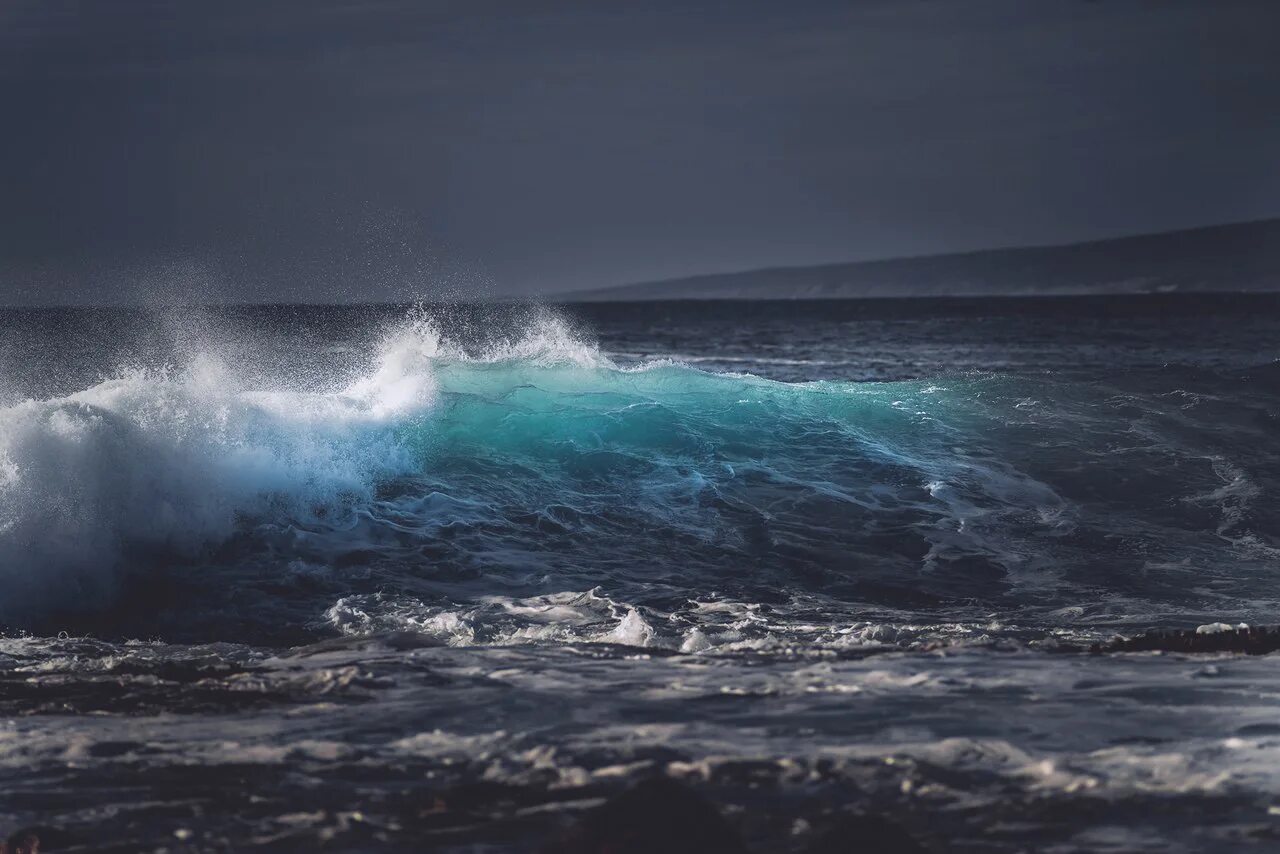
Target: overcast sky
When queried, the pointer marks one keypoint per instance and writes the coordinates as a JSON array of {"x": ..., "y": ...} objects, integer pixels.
[{"x": 384, "y": 149}]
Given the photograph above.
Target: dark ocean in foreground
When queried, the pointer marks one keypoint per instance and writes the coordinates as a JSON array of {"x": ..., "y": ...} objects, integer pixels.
[{"x": 433, "y": 578}]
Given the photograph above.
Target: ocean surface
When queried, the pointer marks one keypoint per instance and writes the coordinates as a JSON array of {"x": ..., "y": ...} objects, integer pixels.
[{"x": 447, "y": 578}]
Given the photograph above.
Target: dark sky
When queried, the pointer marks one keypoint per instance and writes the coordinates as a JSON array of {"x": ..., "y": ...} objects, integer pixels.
[{"x": 374, "y": 149}]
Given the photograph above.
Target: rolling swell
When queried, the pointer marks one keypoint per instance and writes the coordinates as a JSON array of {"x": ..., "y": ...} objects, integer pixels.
[{"x": 529, "y": 488}]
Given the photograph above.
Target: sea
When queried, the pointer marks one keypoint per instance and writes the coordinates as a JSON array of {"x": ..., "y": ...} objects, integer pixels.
[{"x": 456, "y": 577}]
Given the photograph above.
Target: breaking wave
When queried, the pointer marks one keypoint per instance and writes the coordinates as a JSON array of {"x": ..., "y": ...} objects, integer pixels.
[
  {"x": 173, "y": 460},
  {"x": 453, "y": 475}
]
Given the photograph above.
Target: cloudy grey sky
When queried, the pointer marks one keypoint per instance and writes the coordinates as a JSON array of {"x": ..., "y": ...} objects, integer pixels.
[{"x": 383, "y": 149}]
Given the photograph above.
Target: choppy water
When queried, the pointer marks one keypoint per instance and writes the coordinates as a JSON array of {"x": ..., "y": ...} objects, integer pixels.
[{"x": 407, "y": 578}]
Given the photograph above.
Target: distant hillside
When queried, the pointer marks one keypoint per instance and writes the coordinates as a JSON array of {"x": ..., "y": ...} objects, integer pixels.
[{"x": 1240, "y": 257}]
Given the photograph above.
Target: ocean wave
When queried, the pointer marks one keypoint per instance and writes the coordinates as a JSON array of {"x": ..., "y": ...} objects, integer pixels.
[{"x": 458, "y": 469}]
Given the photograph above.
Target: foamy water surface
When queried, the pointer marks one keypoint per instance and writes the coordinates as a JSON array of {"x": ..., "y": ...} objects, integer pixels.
[{"x": 277, "y": 576}]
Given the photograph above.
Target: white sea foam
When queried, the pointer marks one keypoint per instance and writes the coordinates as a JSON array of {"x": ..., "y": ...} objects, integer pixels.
[{"x": 169, "y": 461}]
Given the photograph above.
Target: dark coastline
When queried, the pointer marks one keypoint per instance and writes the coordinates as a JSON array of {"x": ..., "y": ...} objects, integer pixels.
[{"x": 1173, "y": 303}]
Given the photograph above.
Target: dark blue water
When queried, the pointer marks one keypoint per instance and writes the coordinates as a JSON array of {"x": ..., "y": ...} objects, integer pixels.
[{"x": 349, "y": 559}]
